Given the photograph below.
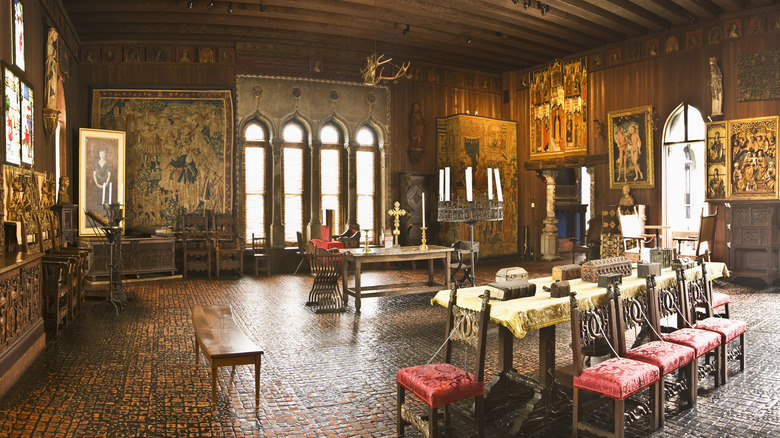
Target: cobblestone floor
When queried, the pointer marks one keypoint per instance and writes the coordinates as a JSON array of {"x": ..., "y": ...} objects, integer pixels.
[{"x": 330, "y": 375}]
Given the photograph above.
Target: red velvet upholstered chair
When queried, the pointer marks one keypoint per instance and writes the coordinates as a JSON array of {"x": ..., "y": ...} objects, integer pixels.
[
  {"x": 672, "y": 303},
  {"x": 614, "y": 380},
  {"x": 699, "y": 294},
  {"x": 638, "y": 314},
  {"x": 443, "y": 384}
]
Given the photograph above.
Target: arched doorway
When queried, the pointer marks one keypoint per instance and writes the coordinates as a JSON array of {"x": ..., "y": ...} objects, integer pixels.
[{"x": 683, "y": 171}]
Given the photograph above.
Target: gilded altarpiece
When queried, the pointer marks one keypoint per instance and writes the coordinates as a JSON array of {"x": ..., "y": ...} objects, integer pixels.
[
  {"x": 752, "y": 158},
  {"x": 480, "y": 143},
  {"x": 558, "y": 113}
]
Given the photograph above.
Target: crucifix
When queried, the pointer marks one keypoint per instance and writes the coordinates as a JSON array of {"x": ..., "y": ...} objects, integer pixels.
[{"x": 397, "y": 212}]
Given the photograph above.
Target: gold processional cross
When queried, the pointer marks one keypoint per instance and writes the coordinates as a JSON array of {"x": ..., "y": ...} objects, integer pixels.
[{"x": 397, "y": 212}]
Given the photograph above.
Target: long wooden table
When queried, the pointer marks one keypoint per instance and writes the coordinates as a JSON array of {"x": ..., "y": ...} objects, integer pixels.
[
  {"x": 357, "y": 257},
  {"x": 515, "y": 318}
]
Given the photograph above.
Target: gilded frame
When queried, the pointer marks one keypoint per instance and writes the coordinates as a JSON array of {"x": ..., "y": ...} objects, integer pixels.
[
  {"x": 752, "y": 158},
  {"x": 717, "y": 182},
  {"x": 91, "y": 195},
  {"x": 636, "y": 127}
]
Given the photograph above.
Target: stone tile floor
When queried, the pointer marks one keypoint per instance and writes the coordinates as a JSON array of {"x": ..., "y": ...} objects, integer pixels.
[{"x": 330, "y": 375}]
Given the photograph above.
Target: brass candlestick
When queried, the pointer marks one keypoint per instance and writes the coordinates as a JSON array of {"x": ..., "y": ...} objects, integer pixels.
[
  {"x": 366, "y": 249},
  {"x": 397, "y": 212},
  {"x": 423, "y": 246}
]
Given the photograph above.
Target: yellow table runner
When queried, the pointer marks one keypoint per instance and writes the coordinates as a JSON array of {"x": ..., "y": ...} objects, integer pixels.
[{"x": 532, "y": 313}]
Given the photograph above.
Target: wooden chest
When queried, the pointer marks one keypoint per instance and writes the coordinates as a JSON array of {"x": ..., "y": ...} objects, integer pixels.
[
  {"x": 566, "y": 272},
  {"x": 592, "y": 269}
]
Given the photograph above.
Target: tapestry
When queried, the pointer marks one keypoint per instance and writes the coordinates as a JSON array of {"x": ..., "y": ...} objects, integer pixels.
[
  {"x": 558, "y": 114},
  {"x": 179, "y": 151},
  {"x": 757, "y": 76},
  {"x": 480, "y": 143}
]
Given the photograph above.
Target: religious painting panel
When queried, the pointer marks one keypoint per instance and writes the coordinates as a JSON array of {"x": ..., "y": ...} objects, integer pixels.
[
  {"x": 693, "y": 39},
  {"x": 631, "y": 148},
  {"x": 18, "y": 33},
  {"x": 558, "y": 108},
  {"x": 464, "y": 141},
  {"x": 755, "y": 25},
  {"x": 101, "y": 175},
  {"x": 717, "y": 186},
  {"x": 179, "y": 150},
  {"x": 752, "y": 158},
  {"x": 651, "y": 47}
]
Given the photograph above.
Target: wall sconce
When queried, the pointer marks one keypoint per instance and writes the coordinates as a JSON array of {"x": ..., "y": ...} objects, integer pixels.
[
  {"x": 190, "y": 4},
  {"x": 210, "y": 5},
  {"x": 230, "y": 8},
  {"x": 544, "y": 8},
  {"x": 526, "y": 4},
  {"x": 405, "y": 31},
  {"x": 468, "y": 40}
]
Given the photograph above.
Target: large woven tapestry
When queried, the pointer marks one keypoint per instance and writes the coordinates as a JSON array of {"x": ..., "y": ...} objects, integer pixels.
[
  {"x": 757, "y": 76},
  {"x": 480, "y": 143},
  {"x": 179, "y": 151}
]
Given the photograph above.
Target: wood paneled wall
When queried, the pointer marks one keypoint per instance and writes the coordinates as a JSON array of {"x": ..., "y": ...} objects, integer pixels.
[{"x": 663, "y": 82}]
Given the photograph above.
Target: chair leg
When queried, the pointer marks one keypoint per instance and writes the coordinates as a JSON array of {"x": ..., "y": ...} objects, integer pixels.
[
  {"x": 299, "y": 267},
  {"x": 479, "y": 415},
  {"x": 575, "y": 413},
  {"x": 433, "y": 423},
  {"x": 692, "y": 375},
  {"x": 659, "y": 399},
  {"x": 400, "y": 399},
  {"x": 724, "y": 364},
  {"x": 741, "y": 351},
  {"x": 619, "y": 420}
]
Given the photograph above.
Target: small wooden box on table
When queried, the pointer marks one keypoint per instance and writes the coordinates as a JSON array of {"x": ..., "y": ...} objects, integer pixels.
[{"x": 223, "y": 343}]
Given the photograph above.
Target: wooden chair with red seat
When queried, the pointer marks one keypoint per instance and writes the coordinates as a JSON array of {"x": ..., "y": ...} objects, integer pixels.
[
  {"x": 444, "y": 384},
  {"x": 699, "y": 294},
  {"x": 673, "y": 304},
  {"x": 638, "y": 314},
  {"x": 613, "y": 380}
]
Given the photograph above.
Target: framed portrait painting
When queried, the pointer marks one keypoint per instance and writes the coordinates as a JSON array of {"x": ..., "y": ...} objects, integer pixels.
[
  {"x": 101, "y": 174},
  {"x": 631, "y": 148}
]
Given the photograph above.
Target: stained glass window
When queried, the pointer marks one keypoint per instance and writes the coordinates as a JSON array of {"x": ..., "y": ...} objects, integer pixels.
[
  {"x": 18, "y": 34},
  {"x": 18, "y": 113}
]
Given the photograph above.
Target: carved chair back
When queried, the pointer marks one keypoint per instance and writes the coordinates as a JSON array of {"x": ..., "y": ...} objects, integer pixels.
[
  {"x": 591, "y": 327},
  {"x": 631, "y": 314},
  {"x": 468, "y": 327}
]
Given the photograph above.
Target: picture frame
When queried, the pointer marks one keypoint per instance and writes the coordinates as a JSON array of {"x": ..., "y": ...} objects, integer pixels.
[
  {"x": 92, "y": 173},
  {"x": 630, "y": 135},
  {"x": 752, "y": 158},
  {"x": 717, "y": 176}
]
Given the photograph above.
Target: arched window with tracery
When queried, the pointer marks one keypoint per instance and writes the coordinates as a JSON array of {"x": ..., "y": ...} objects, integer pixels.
[{"x": 255, "y": 153}]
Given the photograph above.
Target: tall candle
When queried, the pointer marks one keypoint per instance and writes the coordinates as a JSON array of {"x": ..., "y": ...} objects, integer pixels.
[
  {"x": 109, "y": 192},
  {"x": 423, "y": 208},
  {"x": 441, "y": 184},
  {"x": 447, "y": 184},
  {"x": 498, "y": 186},
  {"x": 490, "y": 183},
  {"x": 103, "y": 199},
  {"x": 469, "y": 193}
]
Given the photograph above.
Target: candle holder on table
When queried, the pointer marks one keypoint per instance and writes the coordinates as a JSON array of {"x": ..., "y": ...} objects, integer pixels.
[
  {"x": 423, "y": 245},
  {"x": 366, "y": 249},
  {"x": 461, "y": 210}
]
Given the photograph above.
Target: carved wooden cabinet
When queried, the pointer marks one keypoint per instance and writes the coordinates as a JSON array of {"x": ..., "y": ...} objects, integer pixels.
[
  {"x": 140, "y": 255},
  {"x": 21, "y": 316},
  {"x": 753, "y": 239}
]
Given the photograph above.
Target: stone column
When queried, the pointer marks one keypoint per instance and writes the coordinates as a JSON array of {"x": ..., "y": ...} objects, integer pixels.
[
  {"x": 277, "y": 226},
  {"x": 550, "y": 231},
  {"x": 315, "y": 221},
  {"x": 592, "y": 174}
]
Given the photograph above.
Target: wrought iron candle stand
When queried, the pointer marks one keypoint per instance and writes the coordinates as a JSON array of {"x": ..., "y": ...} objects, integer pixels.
[
  {"x": 480, "y": 210},
  {"x": 113, "y": 232}
]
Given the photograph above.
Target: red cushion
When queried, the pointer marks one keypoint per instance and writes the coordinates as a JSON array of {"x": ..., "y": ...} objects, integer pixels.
[
  {"x": 700, "y": 340},
  {"x": 440, "y": 383},
  {"x": 327, "y": 244},
  {"x": 617, "y": 378},
  {"x": 719, "y": 299},
  {"x": 667, "y": 356},
  {"x": 728, "y": 328}
]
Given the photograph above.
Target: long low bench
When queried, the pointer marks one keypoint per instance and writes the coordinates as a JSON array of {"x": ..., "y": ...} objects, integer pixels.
[{"x": 223, "y": 343}]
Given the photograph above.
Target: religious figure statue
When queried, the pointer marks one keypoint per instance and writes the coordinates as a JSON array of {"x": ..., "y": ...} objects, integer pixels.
[
  {"x": 416, "y": 127},
  {"x": 52, "y": 68},
  {"x": 63, "y": 198},
  {"x": 19, "y": 202},
  {"x": 716, "y": 86},
  {"x": 47, "y": 194}
]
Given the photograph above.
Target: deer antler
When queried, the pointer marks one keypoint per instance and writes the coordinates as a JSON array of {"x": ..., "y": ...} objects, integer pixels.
[{"x": 372, "y": 76}]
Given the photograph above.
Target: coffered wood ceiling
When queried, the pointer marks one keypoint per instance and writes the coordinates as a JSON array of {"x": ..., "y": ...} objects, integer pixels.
[{"x": 480, "y": 35}]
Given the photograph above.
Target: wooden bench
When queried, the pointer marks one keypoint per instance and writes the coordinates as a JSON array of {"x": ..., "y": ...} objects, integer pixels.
[{"x": 223, "y": 343}]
